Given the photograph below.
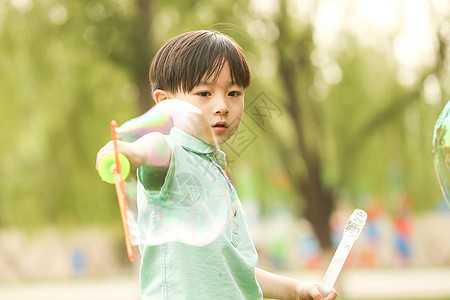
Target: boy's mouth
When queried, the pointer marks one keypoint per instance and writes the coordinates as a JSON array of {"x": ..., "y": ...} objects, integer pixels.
[{"x": 220, "y": 126}]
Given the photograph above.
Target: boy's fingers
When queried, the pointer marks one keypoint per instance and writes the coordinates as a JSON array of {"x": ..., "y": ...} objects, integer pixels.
[
  {"x": 324, "y": 290},
  {"x": 332, "y": 295},
  {"x": 108, "y": 148},
  {"x": 315, "y": 293}
]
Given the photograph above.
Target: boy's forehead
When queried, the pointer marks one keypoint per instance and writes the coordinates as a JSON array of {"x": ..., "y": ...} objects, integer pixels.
[{"x": 221, "y": 73}]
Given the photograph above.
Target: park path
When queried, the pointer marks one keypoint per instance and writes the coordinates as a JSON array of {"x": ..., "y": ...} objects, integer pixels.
[{"x": 354, "y": 284}]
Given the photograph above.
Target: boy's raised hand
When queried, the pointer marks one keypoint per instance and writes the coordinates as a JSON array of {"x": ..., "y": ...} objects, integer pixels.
[
  {"x": 150, "y": 150},
  {"x": 190, "y": 119},
  {"x": 123, "y": 147}
]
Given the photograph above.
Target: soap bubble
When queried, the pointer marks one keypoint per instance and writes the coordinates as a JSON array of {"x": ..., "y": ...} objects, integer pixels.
[
  {"x": 197, "y": 204},
  {"x": 441, "y": 151},
  {"x": 190, "y": 213}
]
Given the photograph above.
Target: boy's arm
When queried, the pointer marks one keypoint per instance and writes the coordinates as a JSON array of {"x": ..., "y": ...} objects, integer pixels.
[
  {"x": 151, "y": 150},
  {"x": 279, "y": 287},
  {"x": 165, "y": 115}
]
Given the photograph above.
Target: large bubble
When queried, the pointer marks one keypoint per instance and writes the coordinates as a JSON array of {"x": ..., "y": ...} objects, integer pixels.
[
  {"x": 199, "y": 203},
  {"x": 441, "y": 151}
]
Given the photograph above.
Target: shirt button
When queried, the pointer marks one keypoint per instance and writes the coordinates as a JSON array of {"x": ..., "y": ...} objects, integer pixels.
[{"x": 211, "y": 154}]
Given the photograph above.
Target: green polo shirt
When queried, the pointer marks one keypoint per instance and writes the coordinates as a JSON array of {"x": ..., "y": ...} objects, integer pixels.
[{"x": 192, "y": 205}]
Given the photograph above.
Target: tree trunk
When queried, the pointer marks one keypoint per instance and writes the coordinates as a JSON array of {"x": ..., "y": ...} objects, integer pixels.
[
  {"x": 319, "y": 205},
  {"x": 144, "y": 44},
  {"x": 319, "y": 200}
]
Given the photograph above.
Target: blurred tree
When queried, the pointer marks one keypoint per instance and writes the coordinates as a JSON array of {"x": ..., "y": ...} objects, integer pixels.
[
  {"x": 56, "y": 105},
  {"x": 295, "y": 69},
  {"x": 124, "y": 31},
  {"x": 73, "y": 66},
  {"x": 344, "y": 110},
  {"x": 348, "y": 126}
]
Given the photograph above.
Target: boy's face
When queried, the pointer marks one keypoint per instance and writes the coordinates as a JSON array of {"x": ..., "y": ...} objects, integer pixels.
[{"x": 221, "y": 103}]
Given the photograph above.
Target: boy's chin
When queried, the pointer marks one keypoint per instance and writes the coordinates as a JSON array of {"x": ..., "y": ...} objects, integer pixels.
[
  {"x": 221, "y": 137},
  {"x": 221, "y": 140}
]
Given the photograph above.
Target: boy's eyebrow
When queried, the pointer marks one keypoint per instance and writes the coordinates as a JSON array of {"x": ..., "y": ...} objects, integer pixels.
[{"x": 209, "y": 83}]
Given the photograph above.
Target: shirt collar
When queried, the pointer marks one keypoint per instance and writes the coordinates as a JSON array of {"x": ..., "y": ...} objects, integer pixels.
[
  {"x": 191, "y": 142},
  {"x": 194, "y": 144}
]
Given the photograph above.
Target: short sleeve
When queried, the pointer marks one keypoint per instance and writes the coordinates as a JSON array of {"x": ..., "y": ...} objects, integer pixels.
[{"x": 152, "y": 178}]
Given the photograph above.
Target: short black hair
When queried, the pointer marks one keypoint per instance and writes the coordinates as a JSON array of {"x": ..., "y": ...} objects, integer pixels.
[{"x": 189, "y": 58}]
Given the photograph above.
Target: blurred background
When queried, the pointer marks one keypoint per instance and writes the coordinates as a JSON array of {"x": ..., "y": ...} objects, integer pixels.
[{"x": 340, "y": 115}]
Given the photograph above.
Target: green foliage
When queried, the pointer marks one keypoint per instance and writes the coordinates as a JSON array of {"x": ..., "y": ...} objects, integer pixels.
[
  {"x": 70, "y": 67},
  {"x": 56, "y": 104}
]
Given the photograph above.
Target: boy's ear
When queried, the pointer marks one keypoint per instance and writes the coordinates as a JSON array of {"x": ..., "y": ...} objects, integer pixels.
[{"x": 160, "y": 95}]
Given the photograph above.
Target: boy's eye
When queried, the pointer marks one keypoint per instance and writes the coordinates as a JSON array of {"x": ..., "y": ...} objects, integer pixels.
[
  {"x": 234, "y": 93},
  {"x": 204, "y": 94}
]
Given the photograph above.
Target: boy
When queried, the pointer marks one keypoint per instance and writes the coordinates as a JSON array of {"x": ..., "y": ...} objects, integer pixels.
[{"x": 208, "y": 71}]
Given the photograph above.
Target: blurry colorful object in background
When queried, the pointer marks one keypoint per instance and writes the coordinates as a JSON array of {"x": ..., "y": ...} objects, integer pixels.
[
  {"x": 441, "y": 151},
  {"x": 403, "y": 229}
]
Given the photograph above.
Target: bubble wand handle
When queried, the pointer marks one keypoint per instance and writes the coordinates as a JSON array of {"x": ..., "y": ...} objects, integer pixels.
[
  {"x": 351, "y": 232},
  {"x": 120, "y": 191}
]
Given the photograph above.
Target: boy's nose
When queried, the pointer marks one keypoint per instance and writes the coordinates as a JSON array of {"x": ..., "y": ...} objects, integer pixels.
[
  {"x": 221, "y": 107},
  {"x": 223, "y": 112}
]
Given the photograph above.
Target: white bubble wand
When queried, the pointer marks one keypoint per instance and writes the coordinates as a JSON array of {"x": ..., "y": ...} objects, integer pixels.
[{"x": 351, "y": 232}]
